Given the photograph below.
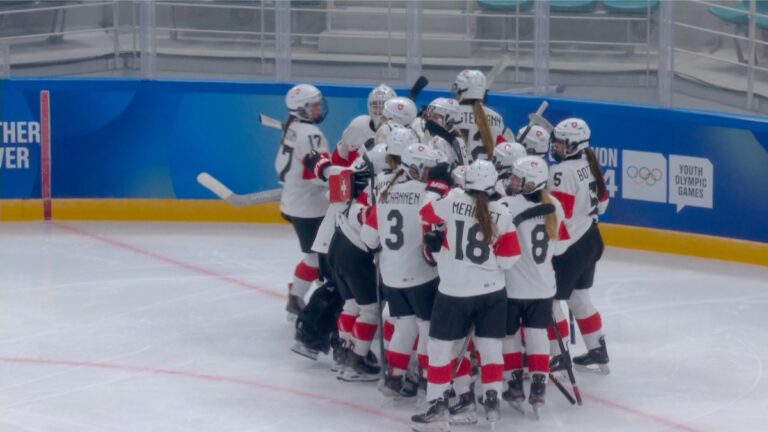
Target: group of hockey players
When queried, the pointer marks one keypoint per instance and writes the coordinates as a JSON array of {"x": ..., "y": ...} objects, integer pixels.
[{"x": 452, "y": 234}]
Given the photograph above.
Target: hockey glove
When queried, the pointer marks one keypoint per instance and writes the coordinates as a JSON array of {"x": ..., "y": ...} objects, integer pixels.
[
  {"x": 316, "y": 163},
  {"x": 439, "y": 178}
]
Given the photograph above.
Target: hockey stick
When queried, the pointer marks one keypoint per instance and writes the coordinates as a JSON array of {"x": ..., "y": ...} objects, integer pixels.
[
  {"x": 379, "y": 294},
  {"x": 270, "y": 122},
  {"x": 417, "y": 87},
  {"x": 573, "y": 326},
  {"x": 532, "y": 212},
  {"x": 498, "y": 68},
  {"x": 539, "y": 112},
  {"x": 566, "y": 355},
  {"x": 463, "y": 350},
  {"x": 562, "y": 388},
  {"x": 541, "y": 121},
  {"x": 237, "y": 200}
]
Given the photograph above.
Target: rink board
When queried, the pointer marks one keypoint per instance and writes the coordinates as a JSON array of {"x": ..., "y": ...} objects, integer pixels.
[{"x": 125, "y": 149}]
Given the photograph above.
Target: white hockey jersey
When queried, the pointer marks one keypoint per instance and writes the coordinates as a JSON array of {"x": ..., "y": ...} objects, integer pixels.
[
  {"x": 359, "y": 133},
  {"x": 471, "y": 133},
  {"x": 467, "y": 266},
  {"x": 303, "y": 194},
  {"x": 532, "y": 276},
  {"x": 351, "y": 221},
  {"x": 573, "y": 184},
  {"x": 394, "y": 224}
]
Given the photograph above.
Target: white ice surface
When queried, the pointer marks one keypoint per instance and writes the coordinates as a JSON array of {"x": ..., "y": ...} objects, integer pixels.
[{"x": 180, "y": 327}]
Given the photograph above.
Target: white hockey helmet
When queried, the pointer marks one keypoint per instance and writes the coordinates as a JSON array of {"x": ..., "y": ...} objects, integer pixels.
[
  {"x": 376, "y": 156},
  {"x": 569, "y": 137},
  {"x": 504, "y": 155},
  {"x": 445, "y": 112},
  {"x": 537, "y": 140},
  {"x": 306, "y": 102},
  {"x": 459, "y": 176},
  {"x": 376, "y": 99},
  {"x": 417, "y": 158},
  {"x": 481, "y": 176},
  {"x": 399, "y": 139},
  {"x": 469, "y": 84},
  {"x": 529, "y": 174},
  {"x": 400, "y": 110}
]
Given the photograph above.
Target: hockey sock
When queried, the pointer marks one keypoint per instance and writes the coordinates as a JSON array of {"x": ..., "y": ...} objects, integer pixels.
[
  {"x": 440, "y": 367},
  {"x": 512, "y": 349},
  {"x": 537, "y": 350},
  {"x": 421, "y": 349},
  {"x": 562, "y": 326},
  {"x": 587, "y": 317},
  {"x": 492, "y": 363},
  {"x": 463, "y": 380},
  {"x": 365, "y": 329},
  {"x": 347, "y": 318},
  {"x": 305, "y": 273},
  {"x": 401, "y": 346}
]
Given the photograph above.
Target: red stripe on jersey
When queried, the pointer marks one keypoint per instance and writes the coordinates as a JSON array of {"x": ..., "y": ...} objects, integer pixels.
[
  {"x": 389, "y": 330},
  {"x": 500, "y": 139},
  {"x": 305, "y": 272},
  {"x": 363, "y": 198},
  {"x": 563, "y": 233},
  {"x": 567, "y": 200},
  {"x": 507, "y": 245},
  {"x": 365, "y": 331},
  {"x": 538, "y": 363},
  {"x": 398, "y": 360},
  {"x": 371, "y": 220},
  {"x": 562, "y": 325},
  {"x": 513, "y": 361},
  {"x": 337, "y": 159},
  {"x": 590, "y": 324},
  {"x": 490, "y": 373},
  {"x": 429, "y": 216},
  {"x": 465, "y": 368},
  {"x": 605, "y": 197},
  {"x": 440, "y": 374}
]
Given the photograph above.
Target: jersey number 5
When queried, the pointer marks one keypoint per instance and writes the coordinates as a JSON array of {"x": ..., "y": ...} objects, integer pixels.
[{"x": 477, "y": 252}]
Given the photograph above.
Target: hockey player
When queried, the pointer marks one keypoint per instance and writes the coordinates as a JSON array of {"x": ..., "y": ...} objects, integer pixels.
[
  {"x": 536, "y": 141},
  {"x": 481, "y": 126},
  {"x": 303, "y": 202},
  {"x": 576, "y": 181},
  {"x": 361, "y": 131},
  {"x": 397, "y": 112},
  {"x": 539, "y": 219},
  {"x": 441, "y": 119},
  {"x": 409, "y": 283},
  {"x": 479, "y": 243}
]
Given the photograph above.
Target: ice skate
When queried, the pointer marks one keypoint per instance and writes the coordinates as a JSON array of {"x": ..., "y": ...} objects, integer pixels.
[
  {"x": 515, "y": 394},
  {"x": 436, "y": 419},
  {"x": 357, "y": 369},
  {"x": 294, "y": 306},
  {"x": 492, "y": 408},
  {"x": 538, "y": 393},
  {"x": 305, "y": 351},
  {"x": 595, "y": 360},
  {"x": 463, "y": 409},
  {"x": 398, "y": 388}
]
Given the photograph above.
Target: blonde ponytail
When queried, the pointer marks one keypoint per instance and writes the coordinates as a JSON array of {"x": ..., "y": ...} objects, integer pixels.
[
  {"x": 484, "y": 219},
  {"x": 550, "y": 219},
  {"x": 489, "y": 141}
]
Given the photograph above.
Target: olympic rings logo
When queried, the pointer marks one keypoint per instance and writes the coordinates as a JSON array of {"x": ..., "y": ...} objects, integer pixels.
[{"x": 649, "y": 176}]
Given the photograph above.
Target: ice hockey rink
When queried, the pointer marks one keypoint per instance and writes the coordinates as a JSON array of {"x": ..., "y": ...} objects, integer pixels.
[{"x": 180, "y": 327}]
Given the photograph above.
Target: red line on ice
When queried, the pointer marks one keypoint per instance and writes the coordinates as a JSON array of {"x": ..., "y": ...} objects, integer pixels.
[
  {"x": 215, "y": 378},
  {"x": 173, "y": 261},
  {"x": 617, "y": 406}
]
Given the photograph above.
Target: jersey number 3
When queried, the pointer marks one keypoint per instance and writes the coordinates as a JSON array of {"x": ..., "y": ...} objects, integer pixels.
[{"x": 396, "y": 230}]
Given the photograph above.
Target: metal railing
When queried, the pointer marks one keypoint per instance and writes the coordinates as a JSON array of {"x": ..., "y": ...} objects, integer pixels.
[{"x": 488, "y": 31}]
